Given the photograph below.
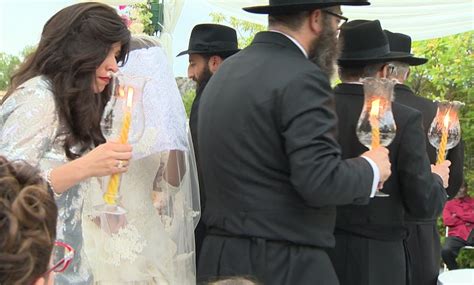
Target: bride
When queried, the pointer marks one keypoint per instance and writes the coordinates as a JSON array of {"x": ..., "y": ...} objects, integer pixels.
[{"x": 153, "y": 243}]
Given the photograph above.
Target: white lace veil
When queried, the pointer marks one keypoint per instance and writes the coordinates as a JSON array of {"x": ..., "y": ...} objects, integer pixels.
[{"x": 174, "y": 189}]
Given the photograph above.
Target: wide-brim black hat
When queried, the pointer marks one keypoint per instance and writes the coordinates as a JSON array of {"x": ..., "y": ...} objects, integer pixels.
[
  {"x": 364, "y": 42},
  {"x": 288, "y": 6},
  {"x": 212, "y": 39},
  {"x": 402, "y": 43}
]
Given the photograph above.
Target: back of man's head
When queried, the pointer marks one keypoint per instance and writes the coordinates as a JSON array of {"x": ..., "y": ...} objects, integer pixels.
[
  {"x": 398, "y": 70},
  {"x": 355, "y": 73}
]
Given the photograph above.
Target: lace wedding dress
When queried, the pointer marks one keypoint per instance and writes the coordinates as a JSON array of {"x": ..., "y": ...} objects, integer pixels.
[
  {"x": 145, "y": 249},
  {"x": 153, "y": 243}
]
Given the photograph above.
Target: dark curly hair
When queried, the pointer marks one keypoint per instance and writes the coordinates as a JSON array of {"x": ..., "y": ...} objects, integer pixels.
[
  {"x": 74, "y": 42},
  {"x": 28, "y": 216}
]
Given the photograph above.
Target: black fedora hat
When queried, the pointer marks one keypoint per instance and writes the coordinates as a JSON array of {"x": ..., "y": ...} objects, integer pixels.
[
  {"x": 212, "y": 39},
  {"x": 365, "y": 42},
  {"x": 401, "y": 43},
  {"x": 286, "y": 6}
]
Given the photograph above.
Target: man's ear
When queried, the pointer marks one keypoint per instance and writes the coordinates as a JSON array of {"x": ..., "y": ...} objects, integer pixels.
[
  {"x": 408, "y": 74},
  {"x": 384, "y": 71},
  {"x": 316, "y": 21},
  {"x": 214, "y": 63}
]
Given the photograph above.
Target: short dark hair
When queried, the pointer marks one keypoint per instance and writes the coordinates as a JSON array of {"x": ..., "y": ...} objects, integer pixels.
[
  {"x": 347, "y": 73},
  {"x": 292, "y": 20}
]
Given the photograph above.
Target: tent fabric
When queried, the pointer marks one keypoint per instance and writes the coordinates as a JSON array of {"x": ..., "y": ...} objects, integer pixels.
[
  {"x": 171, "y": 15},
  {"x": 420, "y": 19}
]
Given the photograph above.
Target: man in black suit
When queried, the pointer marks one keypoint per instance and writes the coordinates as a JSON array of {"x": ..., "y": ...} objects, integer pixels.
[
  {"x": 369, "y": 238},
  {"x": 268, "y": 152},
  {"x": 209, "y": 45},
  {"x": 423, "y": 237}
]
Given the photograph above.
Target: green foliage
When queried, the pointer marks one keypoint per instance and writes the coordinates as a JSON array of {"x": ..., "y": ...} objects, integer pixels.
[
  {"x": 27, "y": 51},
  {"x": 448, "y": 76},
  {"x": 245, "y": 30},
  {"x": 142, "y": 14},
  {"x": 8, "y": 63},
  {"x": 188, "y": 100},
  {"x": 466, "y": 258},
  {"x": 448, "y": 72}
]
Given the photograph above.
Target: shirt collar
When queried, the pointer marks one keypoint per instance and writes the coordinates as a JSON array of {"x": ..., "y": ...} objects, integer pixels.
[{"x": 294, "y": 41}]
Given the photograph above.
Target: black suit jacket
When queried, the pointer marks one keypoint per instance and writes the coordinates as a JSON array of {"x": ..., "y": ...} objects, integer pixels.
[
  {"x": 269, "y": 158},
  {"x": 200, "y": 230},
  {"x": 404, "y": 95},
  {"x": 412, "y": 186},
  {"x": 423, "y": 242}
]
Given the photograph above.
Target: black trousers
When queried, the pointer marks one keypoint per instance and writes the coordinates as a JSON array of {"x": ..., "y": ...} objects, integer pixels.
[
  {"x": 363, "y": 261},
  {"x": 199, "y": 234},
  {"x": 424, "y": 250},
  {"x": 450, "y": 251},
  {"x": 265, "y": 261}
]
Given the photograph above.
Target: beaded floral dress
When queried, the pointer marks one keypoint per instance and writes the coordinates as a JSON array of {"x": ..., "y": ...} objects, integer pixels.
[
  {"x": 155, "y": 244},
  {"x": 30, "y": 130}
]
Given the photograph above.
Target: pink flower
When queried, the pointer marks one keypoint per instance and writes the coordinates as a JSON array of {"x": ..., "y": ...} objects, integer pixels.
[
  {"x": 121, "y": 7},
  {"x": 126, "y": 20}
]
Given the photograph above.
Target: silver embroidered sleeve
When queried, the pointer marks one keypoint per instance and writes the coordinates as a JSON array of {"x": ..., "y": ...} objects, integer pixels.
[{"x": 28, "y": 124}]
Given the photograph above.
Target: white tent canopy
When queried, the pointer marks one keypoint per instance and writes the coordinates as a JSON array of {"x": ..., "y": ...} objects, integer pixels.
[{"x": 421, "y": 19}]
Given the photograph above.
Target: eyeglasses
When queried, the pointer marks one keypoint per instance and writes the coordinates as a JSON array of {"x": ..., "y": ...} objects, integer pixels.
[
  {"x": 341, "y": 19},
  {"x": 62, "y": 256}
]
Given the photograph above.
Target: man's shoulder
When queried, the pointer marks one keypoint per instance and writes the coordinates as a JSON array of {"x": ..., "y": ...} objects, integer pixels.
[
  {"x": 404, "y": 114},
  {"x": 279, "y": 64},
  {"x": 405, "y": 95}
]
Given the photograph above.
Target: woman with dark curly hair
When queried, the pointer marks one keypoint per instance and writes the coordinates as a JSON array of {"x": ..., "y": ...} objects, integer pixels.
[
  {"x": 51, "y": 114},
  {"x": 27, "y": 225}
]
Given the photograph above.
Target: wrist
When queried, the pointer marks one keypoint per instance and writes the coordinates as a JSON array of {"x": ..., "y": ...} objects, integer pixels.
[
  {"x": 49, "y": 182},
  {"x": 80, "y": 170}
]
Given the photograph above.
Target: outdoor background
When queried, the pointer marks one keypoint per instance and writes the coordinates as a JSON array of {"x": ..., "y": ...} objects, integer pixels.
[{"x": 448, "y": 75}]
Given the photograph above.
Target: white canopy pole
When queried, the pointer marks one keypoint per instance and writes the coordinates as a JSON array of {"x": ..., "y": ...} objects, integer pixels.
[{"x": 171, "y": 14}]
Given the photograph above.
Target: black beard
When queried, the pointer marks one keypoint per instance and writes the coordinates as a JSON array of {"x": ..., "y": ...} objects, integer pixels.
[
  {"x": 203, "y": 80},
  {"x": 326, "y": 49}
]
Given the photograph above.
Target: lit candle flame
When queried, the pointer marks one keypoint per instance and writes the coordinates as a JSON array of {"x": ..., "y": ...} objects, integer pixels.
[
  {"x": 374, "y": 111},
  {"x": 374, "y": 123},
  {"x": 110, "y": 196},
  {"x": 130, "y": 97},
  {"x": 446, "y": 120},
  {"x": 444, "y": 139}
]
